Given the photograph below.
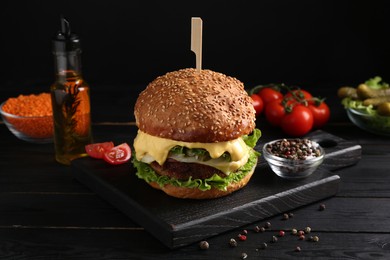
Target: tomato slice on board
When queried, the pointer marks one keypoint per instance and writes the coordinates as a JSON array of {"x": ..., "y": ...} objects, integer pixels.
[
  {"x": 118, "y": 154},
  {"x": 97, "y": 150}
]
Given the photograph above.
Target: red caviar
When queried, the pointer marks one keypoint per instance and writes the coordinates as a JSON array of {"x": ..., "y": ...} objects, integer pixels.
[
  {"x": 30, "y": 114},
  {"x": 29, "y": 105}
]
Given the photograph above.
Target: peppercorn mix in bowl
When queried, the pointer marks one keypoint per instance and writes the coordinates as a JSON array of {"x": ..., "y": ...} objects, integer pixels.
[
  {"x": 293, "y": 158},
  {"x": 29, "y": 117}
]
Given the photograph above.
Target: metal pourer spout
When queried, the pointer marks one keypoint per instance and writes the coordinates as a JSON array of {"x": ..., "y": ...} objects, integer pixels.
[{"x": 65, "y": 27}]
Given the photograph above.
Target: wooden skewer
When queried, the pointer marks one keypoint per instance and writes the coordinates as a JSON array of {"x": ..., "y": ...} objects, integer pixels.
[{"x": 196, "y": 40}]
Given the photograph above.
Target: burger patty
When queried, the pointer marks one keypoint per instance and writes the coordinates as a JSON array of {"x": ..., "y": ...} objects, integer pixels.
[{"x": 183, "y": 171}]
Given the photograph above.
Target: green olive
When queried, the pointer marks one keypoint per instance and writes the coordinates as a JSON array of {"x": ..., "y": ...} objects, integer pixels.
[
  {"x": 376, "y": 101},
  {"x": 347, "y": 92},
  {"x": 364, "y": 92},
  {"x": 384, "y": 109}
]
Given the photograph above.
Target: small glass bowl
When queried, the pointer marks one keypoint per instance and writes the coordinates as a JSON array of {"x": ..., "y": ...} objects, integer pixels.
[
  {"x": 293, "y": 168},
  {"x": 375, "y": 124},
  {"x": 33, "y": 129}
]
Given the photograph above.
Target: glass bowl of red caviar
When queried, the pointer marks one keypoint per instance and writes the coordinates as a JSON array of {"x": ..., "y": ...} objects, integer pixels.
[
  {"x": 293, "y": 158},
  {"x": 29, "y": 117}
]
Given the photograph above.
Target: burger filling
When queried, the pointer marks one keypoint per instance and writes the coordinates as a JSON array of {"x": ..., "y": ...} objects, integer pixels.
[{"x": 194, "y": 165}]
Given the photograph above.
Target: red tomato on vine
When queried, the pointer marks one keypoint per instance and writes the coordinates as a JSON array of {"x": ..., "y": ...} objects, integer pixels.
[
  {"x": 274, "y": 112},
  {"x": 257, "y": 103},
  {"x": 269, "y": 94},
  {"x": 298, "y": 122},
  {"x": 298, "y": 95},
  {"x": 297, "y": 111},
  {"x": 321, "y": 113}
]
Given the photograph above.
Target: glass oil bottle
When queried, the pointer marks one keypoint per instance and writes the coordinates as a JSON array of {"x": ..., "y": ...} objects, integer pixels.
[{"x": 70, "y": 96}]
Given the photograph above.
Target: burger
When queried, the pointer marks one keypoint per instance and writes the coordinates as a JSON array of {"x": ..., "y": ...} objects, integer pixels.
[{"x": 196, "y": 134}]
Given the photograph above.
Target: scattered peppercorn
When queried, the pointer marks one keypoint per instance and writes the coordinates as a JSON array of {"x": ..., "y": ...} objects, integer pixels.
[
  {"x": 204, "y": 245},
  {"x": 316, "y": 239},
  {"x": 322, "y": 207},
  {"x": 263, "y": 245},
  {"x": 242, "y": 237},
  {"x": 307, "y": 230},
  {"x": 257, "y": 229},
  {"x": 232, "y": 242}
]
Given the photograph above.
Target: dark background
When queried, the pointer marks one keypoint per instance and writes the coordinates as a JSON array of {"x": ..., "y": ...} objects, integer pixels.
[{"x": 313, "y": 44}]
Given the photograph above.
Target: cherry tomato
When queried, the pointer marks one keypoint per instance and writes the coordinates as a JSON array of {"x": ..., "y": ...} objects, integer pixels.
[
  {"x": 299, "y": 95},
  {"x": 118, "y": 154},
  {"x": 298, "y": 122},
  {"x": 97, "y": 150},
  {"x": 321, "y": 113},
  {"x": 257, "y": 103},
  {"x": 269, "y": 94},
  {"x": 274, "y": 112}
]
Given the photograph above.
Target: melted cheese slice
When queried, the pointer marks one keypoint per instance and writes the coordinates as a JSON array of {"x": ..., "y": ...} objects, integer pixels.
[{"x": 150, "y": 148}]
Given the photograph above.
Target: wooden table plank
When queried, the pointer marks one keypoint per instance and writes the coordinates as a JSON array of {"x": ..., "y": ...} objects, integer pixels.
[
  {"x": 86, "y": 211},
  {"x": 29, "y": 243},
  {"x": 369, "y": 178},
  {"x": 59, "y": 210}
]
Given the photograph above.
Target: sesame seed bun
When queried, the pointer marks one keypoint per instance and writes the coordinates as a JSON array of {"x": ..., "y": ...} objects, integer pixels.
[{"x": 191, "y": 106}]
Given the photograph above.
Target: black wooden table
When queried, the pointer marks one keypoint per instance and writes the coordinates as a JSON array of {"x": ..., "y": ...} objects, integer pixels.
[{"x": 45, "y": 213}]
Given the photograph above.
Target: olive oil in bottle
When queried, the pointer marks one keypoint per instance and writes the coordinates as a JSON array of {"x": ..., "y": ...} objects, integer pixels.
[{"x": 70, "y": 96}]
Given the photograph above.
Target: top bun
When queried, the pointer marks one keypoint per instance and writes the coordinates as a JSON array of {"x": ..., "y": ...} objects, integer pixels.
[{"x": 191, "y": 106}]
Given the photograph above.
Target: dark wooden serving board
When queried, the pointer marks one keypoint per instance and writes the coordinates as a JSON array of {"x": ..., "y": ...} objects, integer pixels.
[{"x": 178, "y": 222}]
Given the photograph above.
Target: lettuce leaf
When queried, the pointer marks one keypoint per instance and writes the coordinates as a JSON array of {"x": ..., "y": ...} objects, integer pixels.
[
  {"x": 252, "y": 139},
  {"x": 145, "y": 172},
  {"x": 375, "y": 83},
  {"x": 203, "y": 155},
  {"x": 199, "y": 153},
  {"x": 348, "y": 102}
]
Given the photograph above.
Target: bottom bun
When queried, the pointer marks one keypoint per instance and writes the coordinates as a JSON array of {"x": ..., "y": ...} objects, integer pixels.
[{"x": 194, "y": 193}]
